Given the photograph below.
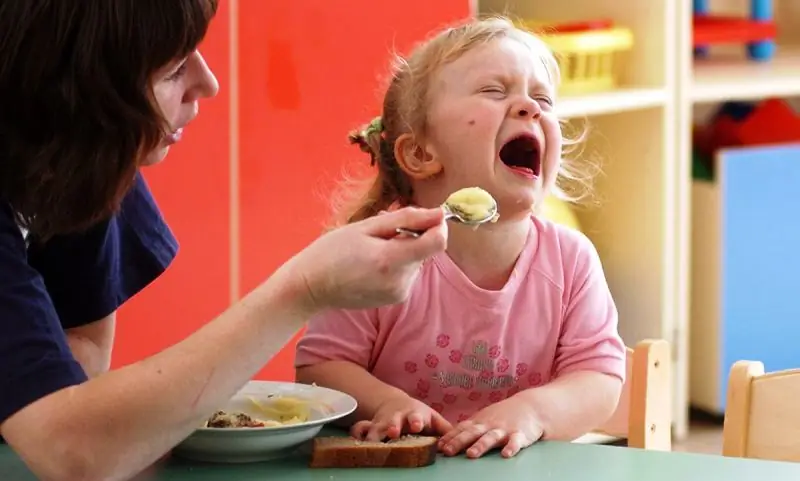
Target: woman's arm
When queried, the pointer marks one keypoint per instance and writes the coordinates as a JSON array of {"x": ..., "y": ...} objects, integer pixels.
[
  {"x": 353, "y": 379},
  {"x": 92, "y": 344},
  {"x": 115, "y": 425},
  {"x": 573, "y": 404}
]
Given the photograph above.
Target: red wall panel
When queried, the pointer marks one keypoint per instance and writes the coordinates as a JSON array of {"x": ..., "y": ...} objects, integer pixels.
[
  {"x": 308, "y": 73},
  {"x": 191, "y": 187}
]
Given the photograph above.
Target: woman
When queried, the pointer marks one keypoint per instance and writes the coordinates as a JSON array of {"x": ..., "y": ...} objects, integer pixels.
[{"x": 90, "y": 91}]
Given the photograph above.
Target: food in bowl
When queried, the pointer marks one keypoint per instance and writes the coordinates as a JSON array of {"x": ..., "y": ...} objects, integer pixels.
[{"x": 277, "y": 411}]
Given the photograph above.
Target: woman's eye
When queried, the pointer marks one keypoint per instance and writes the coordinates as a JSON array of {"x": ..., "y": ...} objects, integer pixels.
[{"x": 177, "y": 73}]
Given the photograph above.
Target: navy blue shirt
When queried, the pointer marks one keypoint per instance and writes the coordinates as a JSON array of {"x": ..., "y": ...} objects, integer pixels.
[{"x": 70, "y": 281}]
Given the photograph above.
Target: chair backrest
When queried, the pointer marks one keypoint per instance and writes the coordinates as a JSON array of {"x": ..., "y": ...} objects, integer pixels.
[
  {"x": 644, "y": 413},
  {"x": 762, "y": 418}
]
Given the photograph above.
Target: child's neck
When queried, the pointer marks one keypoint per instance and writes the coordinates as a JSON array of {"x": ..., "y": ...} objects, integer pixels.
[{"x": 487, "y": 255}]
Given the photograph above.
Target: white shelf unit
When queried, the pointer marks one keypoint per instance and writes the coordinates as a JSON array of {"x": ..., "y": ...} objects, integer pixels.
[
  {"x": 633, "y": 134},
  {"x": 726, "y": 75},
  {"x": 642, "y": 133}
]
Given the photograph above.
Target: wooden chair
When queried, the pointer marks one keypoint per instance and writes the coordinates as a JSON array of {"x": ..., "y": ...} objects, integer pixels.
[
  {"x": 644, "y": 414},
  {"x": 762, "y": 417}
]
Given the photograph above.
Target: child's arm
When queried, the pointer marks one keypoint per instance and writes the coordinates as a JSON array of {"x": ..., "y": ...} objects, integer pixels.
[
  {"x": 573, "y": 404},
  {"x": 590, "y": 358},
  {"x": 355, "y": 380},
  {"x": 336, "y": 352}
]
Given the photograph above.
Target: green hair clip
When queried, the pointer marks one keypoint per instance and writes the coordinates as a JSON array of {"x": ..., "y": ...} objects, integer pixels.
[
  {"x": 360, "y": 138},
  {"x": 374, "y": 127}
]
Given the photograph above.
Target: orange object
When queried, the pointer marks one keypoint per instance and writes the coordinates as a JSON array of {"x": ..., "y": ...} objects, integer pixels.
[{"x": 575, "y": 27}]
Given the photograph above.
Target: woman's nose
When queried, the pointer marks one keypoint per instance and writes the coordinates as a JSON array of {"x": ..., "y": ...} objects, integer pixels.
[
  {"x": 208, "y": 84},
  {"x": 201, "y": 80}
]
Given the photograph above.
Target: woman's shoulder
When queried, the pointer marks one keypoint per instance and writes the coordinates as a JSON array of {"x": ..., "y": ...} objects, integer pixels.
[
  {"x": 12, "y": 238},
  {"x": 90, "y": 274}
]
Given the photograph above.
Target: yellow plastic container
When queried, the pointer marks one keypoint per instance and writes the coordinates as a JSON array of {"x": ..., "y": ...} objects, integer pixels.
[{"x": 587, "y": 59}]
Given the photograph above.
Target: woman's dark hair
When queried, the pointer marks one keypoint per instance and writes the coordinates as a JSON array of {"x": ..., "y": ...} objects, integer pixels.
[{"x": 77, "y": 112}]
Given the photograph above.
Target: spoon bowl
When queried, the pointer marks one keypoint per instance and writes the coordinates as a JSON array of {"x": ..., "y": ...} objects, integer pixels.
[{"x": 453, "y": 214}]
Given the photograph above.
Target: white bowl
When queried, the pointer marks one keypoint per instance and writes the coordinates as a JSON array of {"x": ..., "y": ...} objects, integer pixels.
[{"x": 247, "y": 445}]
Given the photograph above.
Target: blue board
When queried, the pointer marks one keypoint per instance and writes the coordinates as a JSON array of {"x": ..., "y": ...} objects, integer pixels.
[{"x": 760, "y": 257}]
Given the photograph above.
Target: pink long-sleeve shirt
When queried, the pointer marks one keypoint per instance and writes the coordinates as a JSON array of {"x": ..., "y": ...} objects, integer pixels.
[{"x": 459, "y": 348}]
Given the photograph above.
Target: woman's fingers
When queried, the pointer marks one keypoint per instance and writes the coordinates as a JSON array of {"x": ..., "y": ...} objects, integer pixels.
[{"x": 385, "y": 225}]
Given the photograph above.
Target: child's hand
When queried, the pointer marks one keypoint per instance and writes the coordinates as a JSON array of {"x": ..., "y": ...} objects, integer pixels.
[
  {"x": 401, "y": 414},
  {"x": 510, "y": 424}
]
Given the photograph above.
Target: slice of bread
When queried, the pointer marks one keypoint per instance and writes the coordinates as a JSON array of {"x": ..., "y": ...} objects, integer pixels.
[{"x": 346, "y": 452}]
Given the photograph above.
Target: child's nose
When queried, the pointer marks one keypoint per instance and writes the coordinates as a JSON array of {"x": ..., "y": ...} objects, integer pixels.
[{"x": 528, "y": 108}]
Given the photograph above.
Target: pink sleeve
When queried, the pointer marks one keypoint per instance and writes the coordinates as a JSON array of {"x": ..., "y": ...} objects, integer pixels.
[
  {"x": 589, "y": 337},
  {"x": 339, "y": 335}
]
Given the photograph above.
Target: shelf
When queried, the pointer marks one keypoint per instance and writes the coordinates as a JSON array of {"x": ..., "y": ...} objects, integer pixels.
[
  {"x": 620, "y": 100},
  {"x": 729, "y": 77}
]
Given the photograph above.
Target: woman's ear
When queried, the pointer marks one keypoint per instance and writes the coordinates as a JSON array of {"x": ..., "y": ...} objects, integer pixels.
[{"x": 414, "y": 159}]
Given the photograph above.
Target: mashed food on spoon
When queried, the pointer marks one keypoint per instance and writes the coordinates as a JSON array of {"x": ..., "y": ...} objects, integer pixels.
[{"x": 473, "y": 204}]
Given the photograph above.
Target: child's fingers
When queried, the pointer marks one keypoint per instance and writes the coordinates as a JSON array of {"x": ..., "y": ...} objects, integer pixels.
[
  {"x": 391, "y": 427},
  {"x": 451, "y": 433},
  {"x": 416, "y": 422},
  {"x": 487, "y": 441},
  {"x": 359, "y": 430},
  {"x": 439, "y": 424},
  {"x": 377, "y": 431},
  {"x": 516, "y": 442},
  {"x": 394, "y": 427}
]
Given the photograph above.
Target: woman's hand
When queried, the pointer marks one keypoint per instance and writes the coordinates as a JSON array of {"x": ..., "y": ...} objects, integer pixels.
[
  {"x": 366, "y": 264},
  {"x": 510, "y": 424},
  {"x": 399, "y": 415}
]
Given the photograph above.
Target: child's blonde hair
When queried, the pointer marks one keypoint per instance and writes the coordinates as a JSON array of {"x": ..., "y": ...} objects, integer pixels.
[{"x": 404, "y": 111}]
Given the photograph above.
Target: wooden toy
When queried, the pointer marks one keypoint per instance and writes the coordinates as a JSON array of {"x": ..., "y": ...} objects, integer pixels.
[{"x": 758, "y": 31}]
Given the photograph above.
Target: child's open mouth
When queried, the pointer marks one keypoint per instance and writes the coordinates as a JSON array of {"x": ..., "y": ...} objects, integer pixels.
[{"x": 523, "y": 156}]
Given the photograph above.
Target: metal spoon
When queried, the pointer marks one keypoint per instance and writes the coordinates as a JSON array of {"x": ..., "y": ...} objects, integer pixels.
[{"x": 451, "y": 213}]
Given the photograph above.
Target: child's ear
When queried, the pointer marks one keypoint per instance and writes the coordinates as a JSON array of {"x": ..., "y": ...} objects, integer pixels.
[{"x": 414, "y": 159}]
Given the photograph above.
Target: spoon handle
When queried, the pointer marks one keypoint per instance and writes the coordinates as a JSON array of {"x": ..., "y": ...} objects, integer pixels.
[
  {"x": 409, "y": 232},
  {"x": 416, "y": 233}
]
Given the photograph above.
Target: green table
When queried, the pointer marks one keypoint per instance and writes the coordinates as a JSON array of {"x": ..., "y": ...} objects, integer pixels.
[{"x": 544, "y": 461}]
